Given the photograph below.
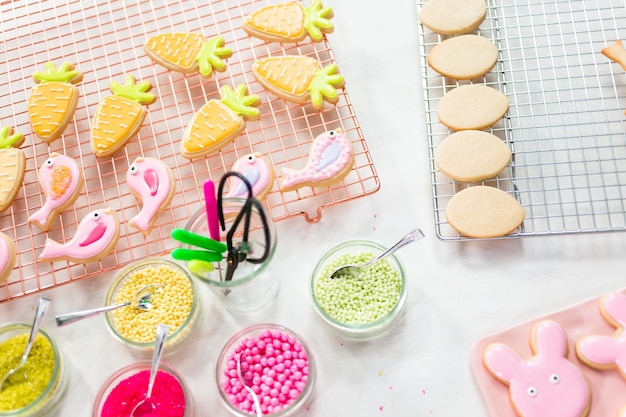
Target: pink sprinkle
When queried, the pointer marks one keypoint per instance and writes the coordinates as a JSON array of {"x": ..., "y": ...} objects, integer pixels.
[
  {"x": 423, "y": 392},
  {"x": 380, "y": 408}
]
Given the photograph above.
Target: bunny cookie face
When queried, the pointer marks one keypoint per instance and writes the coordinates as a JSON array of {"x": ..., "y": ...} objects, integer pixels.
[
  {"x": 606, "y": 352},
  {"x": 547, "y": 384}
]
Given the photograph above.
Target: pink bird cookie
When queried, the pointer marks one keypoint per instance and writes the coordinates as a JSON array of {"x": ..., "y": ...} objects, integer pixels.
[
  {"x": 603, "y": 351},
  {"x": 152, "y": 183},
  {"x": 330, "y": 160},
  {"x": 7, "y": 257},
  {"x": 96, "y": 236},
  {"x": 61, "y": 180},
  {"x": 257, "y": 171},
  {"x": 546, "y": 384}
]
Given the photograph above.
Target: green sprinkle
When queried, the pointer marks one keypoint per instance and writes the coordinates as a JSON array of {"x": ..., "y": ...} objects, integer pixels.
[
  {"x": 362, "y": 300},
  {"x": 18, "y": 393}
]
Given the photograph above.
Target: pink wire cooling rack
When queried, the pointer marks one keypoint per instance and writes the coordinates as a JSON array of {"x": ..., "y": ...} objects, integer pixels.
[{"x": 104, "y": 40}]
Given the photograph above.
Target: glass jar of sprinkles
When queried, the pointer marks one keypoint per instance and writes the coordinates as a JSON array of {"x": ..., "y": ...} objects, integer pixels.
[
  {"x": 360, "y": 307},
  {"x": 128, "y": 385},
  {"x": 275, "y": 363},
  {"x": 45, "y": 368},
  {"x": 174, "y": 301},
  {"x": 254, "y": 285}
]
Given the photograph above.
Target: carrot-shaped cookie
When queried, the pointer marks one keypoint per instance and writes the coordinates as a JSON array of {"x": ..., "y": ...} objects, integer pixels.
[
  {"x": 53, "y": 100},
  {"x": 299, "y": 79},
  {"x": 188, "y": 52},
  {"x": 12, "y": 166},
  {"x": 119, "y": 116},
  {"x": 219, "y": 122},
  {"x": 290, "y": 22}
]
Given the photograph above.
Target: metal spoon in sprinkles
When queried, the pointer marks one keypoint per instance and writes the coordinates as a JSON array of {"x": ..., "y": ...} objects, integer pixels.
[
  {"x": 255, "y": 398},
  {"x": 141, "y": 300},
  {"x": 147, "y": 406},
  {"x": 353, "y": 271},
  {"x": 41, "y": 309}
]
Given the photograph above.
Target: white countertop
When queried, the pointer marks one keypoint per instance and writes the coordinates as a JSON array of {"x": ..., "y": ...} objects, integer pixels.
[{"x": 458, "y": 291}]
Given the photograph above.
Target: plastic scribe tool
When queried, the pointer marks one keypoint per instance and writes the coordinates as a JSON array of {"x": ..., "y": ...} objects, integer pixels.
[{"x": 211, "y": 210}]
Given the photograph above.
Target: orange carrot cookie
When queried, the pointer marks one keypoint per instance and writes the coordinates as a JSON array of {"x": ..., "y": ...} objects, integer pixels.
[
  {"x": 53, "y": 100},
  {"x": 188, "y": 52},
  {"x": 119, "y": 116},
  {"x": 7, "y": 257},
  {"x": 299, "y": 79},
  {"x": 12, "y": 166},
  {"x": 290, "y": 22},
  {"x": 219, "y": 122}
]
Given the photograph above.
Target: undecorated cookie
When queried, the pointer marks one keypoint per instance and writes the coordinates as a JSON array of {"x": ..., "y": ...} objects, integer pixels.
[
  {"x": 453, "y": 17},
  {"x": 474, "y": 106},
  {"x": 463, "y": 57},
  {"x": 484, "y": 212},
  {"x": 472, "y": 155}
]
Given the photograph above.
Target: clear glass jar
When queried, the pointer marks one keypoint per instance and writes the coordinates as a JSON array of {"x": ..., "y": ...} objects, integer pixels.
[
  {"x": 166, "y": 295},
  {"x": 49, "y": 397},
  {"x": 323, "y": 270},
  {"x": 256, "y": 332},
  {"x": 254, "y": 285},
  {"x": 123, "y": 380}
]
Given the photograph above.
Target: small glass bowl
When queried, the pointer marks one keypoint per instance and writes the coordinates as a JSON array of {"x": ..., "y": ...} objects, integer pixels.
[
  {"x": 122, "y": 375},
  {"x": 50, "y": 396},
  {"x": 358, "y": 330},
  {"x": 231, "y": 349},
  {"x": 175, "y": 337}
]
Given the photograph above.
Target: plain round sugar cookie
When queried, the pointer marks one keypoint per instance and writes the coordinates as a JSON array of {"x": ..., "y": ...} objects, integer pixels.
[
  {"x": 463, "y": 57},
  {"x": 474, "y": 106},
  {"x": 453, "y": 17},
  {"x": 472, "y": 155},
  {"x": 484, "y": 212}
]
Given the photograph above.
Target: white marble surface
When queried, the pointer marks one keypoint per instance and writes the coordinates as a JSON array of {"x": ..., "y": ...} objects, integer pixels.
[{"x": 459, "y": 291}]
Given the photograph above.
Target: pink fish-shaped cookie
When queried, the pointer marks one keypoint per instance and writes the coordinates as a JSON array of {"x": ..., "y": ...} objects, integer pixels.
[
  {"x": 7, "y": 257},
  {"x": 330, "y": 160},
  {"x": 152, "y": 183},
  {"x": 257, "y": 171},
  {"x": 61, "y": 180},
  {"x": 96, "y": 236}
]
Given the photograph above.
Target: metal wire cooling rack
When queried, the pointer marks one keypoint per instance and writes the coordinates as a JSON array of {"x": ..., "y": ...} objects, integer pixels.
[
  {"x": 105, "y": 41},
  {"x": 565, "y": 124}
]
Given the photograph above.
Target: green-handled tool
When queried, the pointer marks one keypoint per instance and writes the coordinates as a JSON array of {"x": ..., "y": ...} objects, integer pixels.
[{"x": 212, "y": 249}]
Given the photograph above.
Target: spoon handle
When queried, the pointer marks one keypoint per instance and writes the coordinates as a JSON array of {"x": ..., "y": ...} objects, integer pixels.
[
  {"x": 412, "y": 236},
  {"x": 42, "y": 306},
  {"x": 65, "y": 319},
  {"x": 161, "y": 334}
]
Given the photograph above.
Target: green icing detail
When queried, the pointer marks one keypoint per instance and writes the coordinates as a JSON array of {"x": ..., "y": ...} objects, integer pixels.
[
  {"x": 316, "y": 22},
  {"x": 324, "y": 85},
  {"x": 8, "y": 138},
  {"x": 64, "y": 74},
  {"x": 239, "y": 102},
  {"x": 211, "y": 54},
  {"x": 132, "y": 90}
]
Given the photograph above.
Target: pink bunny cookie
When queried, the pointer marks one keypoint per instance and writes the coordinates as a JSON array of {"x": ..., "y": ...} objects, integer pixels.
[
  {"x": 152, "y": 183},
  {"x": 545, "y": 385},
  {"x": 607, "y": 352},
  {"x": 7, "y": 257}
]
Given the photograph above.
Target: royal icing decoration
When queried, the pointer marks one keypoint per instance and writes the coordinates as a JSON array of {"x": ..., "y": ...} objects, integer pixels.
[
  {"x": 290, "y": 22},
  {"x": 188, "y": 52},
  {"x": 61, "y": 180},
  {"x": 545, "y": 385},
  {"x": 299, "y": 79},
  {"x": 604, "y": 352},
  {"x": 119, "y": 116},
  {"x": 257, "y": 171},
  {"x": 151, "y": 181},
  {"x": 12, "y": 166},
  {"x": 330, "y": 159},
  {"x": 96, "y": 235},
  {"x": 53, "y": 100},
  {"x": 219, "y": 122}
]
